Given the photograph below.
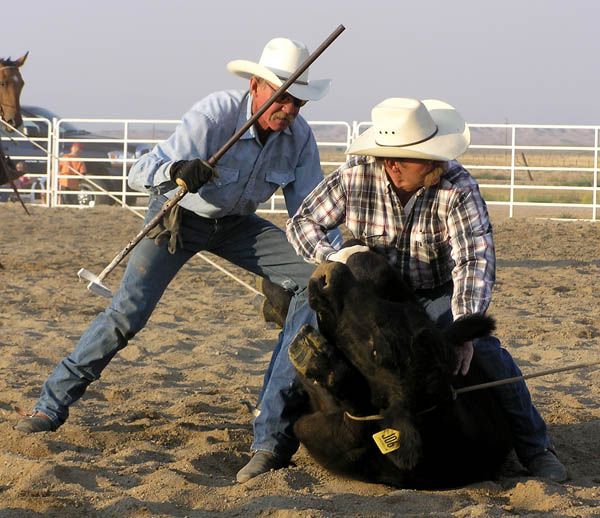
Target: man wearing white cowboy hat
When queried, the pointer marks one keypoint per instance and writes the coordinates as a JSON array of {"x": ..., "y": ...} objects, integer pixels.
[
  {"x": 218, "y": 214},
  {"x": 405, "y": 196}
]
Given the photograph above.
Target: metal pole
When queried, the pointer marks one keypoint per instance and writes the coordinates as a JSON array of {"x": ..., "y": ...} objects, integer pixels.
[
  {"x": 212, "y": 161},
  {"x": 595, "y": 178},
  {"x": 512, "y": 173}
]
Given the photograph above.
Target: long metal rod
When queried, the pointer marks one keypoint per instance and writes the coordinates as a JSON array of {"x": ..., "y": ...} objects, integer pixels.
[{"x": 215, "y": 158}]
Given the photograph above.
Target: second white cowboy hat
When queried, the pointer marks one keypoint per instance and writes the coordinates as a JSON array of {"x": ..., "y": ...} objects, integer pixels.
[
  {"x": 409, "y": 128},
  {"x": 280, "y": 58}
]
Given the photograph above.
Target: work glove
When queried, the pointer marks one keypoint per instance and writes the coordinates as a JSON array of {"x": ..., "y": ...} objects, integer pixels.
[
  {"x": 168, "y": 229},
  {"x": 341, "y": 256},
  {"x": 192, "y": 174}
]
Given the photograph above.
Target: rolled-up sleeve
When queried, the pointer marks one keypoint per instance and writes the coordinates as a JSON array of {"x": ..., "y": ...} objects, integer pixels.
[{"x": 323, "y": 210}]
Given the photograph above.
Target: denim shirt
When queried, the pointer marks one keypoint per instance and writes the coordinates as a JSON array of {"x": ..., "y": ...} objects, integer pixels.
[{"x": 249, "y": 173}]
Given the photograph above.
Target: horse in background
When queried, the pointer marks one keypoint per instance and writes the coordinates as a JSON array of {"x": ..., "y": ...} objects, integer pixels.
[{"x": 11, "y": 85}]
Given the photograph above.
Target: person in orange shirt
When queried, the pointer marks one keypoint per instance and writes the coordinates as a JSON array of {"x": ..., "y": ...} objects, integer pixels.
[{"x": 70, "y": 168}]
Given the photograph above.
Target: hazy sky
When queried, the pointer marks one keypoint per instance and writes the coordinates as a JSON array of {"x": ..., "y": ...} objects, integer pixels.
[{"x": 522, "y": 61}]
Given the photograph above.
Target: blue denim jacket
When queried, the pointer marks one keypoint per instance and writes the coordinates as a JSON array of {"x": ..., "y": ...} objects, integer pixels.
[{"x": 249, "y": 173}]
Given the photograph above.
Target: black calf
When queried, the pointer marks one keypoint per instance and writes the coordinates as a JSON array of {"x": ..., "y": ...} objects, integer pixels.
[{"x": 379, "y": 356}]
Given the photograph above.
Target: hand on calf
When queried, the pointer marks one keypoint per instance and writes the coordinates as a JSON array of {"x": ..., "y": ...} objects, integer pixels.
[{"x": 464, "y": 355}]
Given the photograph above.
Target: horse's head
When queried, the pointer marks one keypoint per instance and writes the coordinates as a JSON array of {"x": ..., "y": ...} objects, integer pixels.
[{"x": 11, "y": 84}]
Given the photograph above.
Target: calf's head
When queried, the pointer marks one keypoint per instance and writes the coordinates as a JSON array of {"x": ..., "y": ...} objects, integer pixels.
[{"x": 367, "y": 311}]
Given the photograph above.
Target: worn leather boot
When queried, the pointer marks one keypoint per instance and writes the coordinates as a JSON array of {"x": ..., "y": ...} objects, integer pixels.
[
  {"x": 34, "y": 423},
  {"x": 546, "y": 465},
  {"x": 261, "y": 462}
]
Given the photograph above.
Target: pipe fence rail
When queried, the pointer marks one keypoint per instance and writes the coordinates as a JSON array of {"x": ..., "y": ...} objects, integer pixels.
[{"x": 522, "y": 169}]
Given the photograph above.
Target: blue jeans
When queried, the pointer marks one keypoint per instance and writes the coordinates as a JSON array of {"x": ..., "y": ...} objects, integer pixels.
[
  {"x": 281, "y": 399},
  {"x": 250, "y": 242},
  {"x": 278, "y": 407},
  {"x": 527, "y": 426}
]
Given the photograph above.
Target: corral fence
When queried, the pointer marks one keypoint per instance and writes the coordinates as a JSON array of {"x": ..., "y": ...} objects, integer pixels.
[{"x": 522, "y": 169}]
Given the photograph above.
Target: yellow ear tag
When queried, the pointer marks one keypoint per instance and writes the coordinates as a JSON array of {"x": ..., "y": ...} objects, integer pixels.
[{"x": 387, "y": 440}]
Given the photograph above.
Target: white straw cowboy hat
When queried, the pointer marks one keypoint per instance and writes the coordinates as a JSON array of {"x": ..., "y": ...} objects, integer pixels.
[
  {"x": 280, "y": 58},
  {"x": 409, "y": 128}
]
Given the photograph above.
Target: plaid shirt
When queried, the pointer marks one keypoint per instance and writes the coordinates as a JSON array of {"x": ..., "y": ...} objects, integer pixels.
[{"x": 445, "y": 236}]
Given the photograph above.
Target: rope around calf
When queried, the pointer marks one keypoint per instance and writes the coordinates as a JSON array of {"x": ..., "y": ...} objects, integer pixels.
[{"x": 505, "y": 381}]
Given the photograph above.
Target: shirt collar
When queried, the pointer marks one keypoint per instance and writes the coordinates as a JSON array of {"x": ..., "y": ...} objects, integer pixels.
[{"x": 444, "y": 183}]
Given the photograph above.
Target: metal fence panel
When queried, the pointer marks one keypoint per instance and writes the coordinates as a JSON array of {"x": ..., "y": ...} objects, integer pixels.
[
  {"x": 546, "y": 171},
  {"x": 550, "y": 171}
]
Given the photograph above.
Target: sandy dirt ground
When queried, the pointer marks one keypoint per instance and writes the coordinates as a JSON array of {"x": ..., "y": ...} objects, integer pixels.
[{"x": 165, "y": 430}]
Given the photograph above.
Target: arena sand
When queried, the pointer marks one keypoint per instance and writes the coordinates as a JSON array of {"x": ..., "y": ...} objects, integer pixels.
[{"x": 165, "y": 430}]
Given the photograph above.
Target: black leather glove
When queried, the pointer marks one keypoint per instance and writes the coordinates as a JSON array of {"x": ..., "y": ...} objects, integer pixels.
[{"x": 193, "y": 173}]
